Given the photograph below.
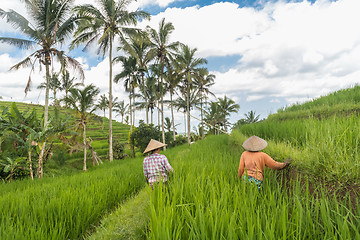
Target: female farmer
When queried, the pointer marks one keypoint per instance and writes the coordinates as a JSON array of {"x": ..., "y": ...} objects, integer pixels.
[
  {"x": 253, "y": 161},
  {"x": 156, "y": 166}
]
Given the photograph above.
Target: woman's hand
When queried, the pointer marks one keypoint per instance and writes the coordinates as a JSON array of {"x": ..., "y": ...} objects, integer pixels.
[{"x": 287, "y": 161}]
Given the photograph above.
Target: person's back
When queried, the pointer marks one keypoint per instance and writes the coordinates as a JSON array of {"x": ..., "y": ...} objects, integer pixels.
[
  {"x": 254, "y": 162},
  {"x": 156, "y": 165}
]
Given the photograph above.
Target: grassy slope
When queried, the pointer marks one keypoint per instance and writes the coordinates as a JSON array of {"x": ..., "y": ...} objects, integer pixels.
[
  {"x": 323, "y": 141},
  {"x": 94, "y": 130},
  {"x": 342, "y": 102}
]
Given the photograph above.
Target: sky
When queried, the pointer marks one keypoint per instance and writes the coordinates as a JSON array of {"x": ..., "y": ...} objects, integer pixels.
[{"x": 266, "y": 55}]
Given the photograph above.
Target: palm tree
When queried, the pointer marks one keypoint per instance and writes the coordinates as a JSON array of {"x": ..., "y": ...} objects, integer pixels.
[
  {"x": 251, "y": 117},
  {"x": 54, "y": 85},
  {"x": 67, "y": 83},
  {"x": 214, "y": 116},
  {"x": 186, "y": 104},
  {"x": 138, "y": 47},
  {"x": 190, "y": 69},
  {"x": 131, "y": 81},
  {"x": 103, "y": 103},
  {"x": 203, "y": 84},
  {"x": 50, "y": 26},
  {"x": 83, "y": 102},
  {"x": 226, "y": 107},
  {"x": 173, "y": 79},
  {"x": 163, "y": 49},
  {"x": 103, "y": 25},
  {"x": 122, "y": 109}
]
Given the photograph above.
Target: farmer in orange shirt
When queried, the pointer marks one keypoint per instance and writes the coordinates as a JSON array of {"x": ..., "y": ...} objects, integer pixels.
[{"x": 253, "y": 161}]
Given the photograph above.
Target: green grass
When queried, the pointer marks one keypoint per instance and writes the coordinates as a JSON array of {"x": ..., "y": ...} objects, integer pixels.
[
  {"x": 206, "y": 200},
  {"x": 342, "y": 102},
  {"x": 128, "y": 222},
  {"x": 66, "y": 207},
  {"x": 328, "y": 148}
]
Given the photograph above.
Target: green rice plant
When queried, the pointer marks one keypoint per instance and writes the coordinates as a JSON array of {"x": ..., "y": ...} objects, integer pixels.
[
  {"x": 206, "y": 200},
  {"x": 327, "y": 148},
  {"x": 66, "y": 207}
]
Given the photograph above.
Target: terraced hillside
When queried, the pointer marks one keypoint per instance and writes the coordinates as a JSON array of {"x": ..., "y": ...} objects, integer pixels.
[{"x": 97, "y": 130}]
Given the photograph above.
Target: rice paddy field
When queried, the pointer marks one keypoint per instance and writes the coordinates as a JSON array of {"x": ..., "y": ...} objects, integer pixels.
[{"x": 317, "y": 197}]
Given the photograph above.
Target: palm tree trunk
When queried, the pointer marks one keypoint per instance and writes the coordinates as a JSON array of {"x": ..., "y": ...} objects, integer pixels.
[
  {"x": 146, "y": 101},
  {"x": 185, "y": 123},
  {"x": 158, "y": 116},
  {"x": 152, "y": 111},
  {"x": 162, "y": 103},
  {"x": 46, "y": 115},
  {"x": 188, "y": 107},
  {"x": 84, "y": 139},
  {"x": 172, "y": 116},
  {"x": 46, "y": 110},
  {"x": 30, "y": 166},
  {"x": 103, "y": 121},
  {"x": 110, "y": 102},
  {"x": 202, "y": 123},
  {"x": 134, "y": 106},
  {"x": 130, "y": 113}
]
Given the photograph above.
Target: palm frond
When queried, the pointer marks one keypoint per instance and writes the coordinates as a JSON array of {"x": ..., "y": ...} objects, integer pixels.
[
  {"x": 17, "y": 21},
  {"x": 20, "y": 43}
]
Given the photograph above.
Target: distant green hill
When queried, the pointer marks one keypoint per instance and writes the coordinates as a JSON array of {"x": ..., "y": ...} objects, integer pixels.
[
  {"x": 342, "y": 102},
  {"x": 97, "y": 130}
]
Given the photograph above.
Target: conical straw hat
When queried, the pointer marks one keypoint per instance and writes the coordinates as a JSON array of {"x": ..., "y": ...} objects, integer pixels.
[
  {"x": 254, "y": 144},
  {"x": 153, "y": 144}
]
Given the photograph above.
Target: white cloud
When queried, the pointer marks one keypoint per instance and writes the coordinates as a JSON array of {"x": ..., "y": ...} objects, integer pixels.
[{"x": 289, "y": 51}]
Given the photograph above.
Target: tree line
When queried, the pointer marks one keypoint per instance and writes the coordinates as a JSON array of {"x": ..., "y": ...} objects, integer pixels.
[{"x": 153, "y": 67}]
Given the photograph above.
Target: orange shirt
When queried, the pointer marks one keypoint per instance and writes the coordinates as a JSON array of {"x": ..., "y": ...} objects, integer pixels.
[{"x": 254, "y": 163}]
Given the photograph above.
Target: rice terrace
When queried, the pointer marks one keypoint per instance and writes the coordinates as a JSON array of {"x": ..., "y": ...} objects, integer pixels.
[{"x": 179, "y": 119}]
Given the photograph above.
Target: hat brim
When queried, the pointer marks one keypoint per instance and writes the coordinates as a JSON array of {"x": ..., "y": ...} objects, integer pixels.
[
  {"x": 254, "y": 144},
  {"x": 153, "y": 144}
]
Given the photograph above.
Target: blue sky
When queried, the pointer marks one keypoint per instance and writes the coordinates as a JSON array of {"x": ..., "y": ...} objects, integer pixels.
[{"x": 265, "y": 54}]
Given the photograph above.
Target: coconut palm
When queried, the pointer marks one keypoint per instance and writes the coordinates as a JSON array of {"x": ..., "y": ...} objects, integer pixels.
[
  {"x": 190, "y": 70},
  {"x": 163, "y": 48},
  {"x": 49, "y": 27},
  {"x": 138, "y": 46},
  {"x": 54, "y": 85},
  {"x": 83, "y": 102},
  {"x": 102, "y": 104},
  {"x": 172, "y": 79},
  {"x": 103, "y": 24},
  {"x": 214, "y": 116},
  {"x": 67, "y": 83},
  {"x": 251, "y": 117},
  {"x": 131, "y": 81},
  {"x": 203, "y": 84},
  {"x": 147, "y": 96},
  {"x": 122, "y": 109},
  {"x": 226, "y": 107},
  {"x": 51, "y": 24},
  {"x": 186, "y": 104}
]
